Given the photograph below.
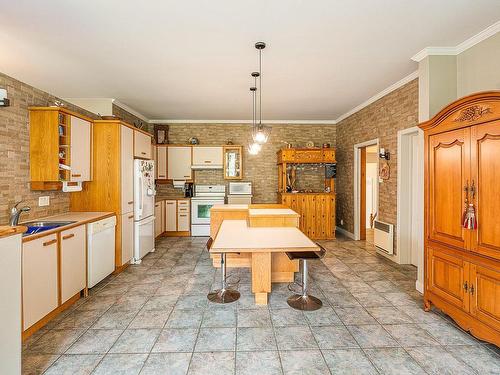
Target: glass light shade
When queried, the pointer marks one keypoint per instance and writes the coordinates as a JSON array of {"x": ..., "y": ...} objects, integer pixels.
[
  {"x": 254, "y": 148},
  {"x": 260, "y": 133}
]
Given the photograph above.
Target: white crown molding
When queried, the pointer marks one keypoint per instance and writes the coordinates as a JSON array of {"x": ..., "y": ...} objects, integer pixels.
[
  {"x": 130, "y": 110},
  {"x": 249, "y": 122},
  {"x": 453, "y": 51},
  {"x": 381, "y": 94}
]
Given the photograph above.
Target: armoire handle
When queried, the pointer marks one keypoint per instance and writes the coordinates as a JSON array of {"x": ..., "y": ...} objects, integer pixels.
[
  {"x": 473, "y": 190},
  {"x": 466, "y": 191},
  {"x": 466, "y": 287}
]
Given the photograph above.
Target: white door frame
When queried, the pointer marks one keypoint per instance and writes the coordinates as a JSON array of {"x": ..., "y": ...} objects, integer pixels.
[
  {"x": 357, "y": 178},
  {"x": 403, "y": 221}
]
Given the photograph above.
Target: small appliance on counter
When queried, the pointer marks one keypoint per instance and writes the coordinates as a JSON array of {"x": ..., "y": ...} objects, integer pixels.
[
  {"x": 188, "y": 190},
  {"x": 240, "y": 193},
  {"x": 205, "y": 196}
]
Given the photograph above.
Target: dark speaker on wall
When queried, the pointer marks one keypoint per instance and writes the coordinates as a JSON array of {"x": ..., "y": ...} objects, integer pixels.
[{"x": 331, "y": 170}]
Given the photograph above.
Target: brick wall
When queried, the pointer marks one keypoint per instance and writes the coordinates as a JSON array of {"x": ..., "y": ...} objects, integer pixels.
[
  {"x": 131, "y": 118},
  {"x": 14, "y": 151},
  {"x": 382, "y": 119},
  {"x": 260, "y": 169}
]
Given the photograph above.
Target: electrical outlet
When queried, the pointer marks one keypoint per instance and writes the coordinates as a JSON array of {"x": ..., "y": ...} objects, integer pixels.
[
  {"x": 341, "y": 221},
  {"x": 43, "y": 201}
]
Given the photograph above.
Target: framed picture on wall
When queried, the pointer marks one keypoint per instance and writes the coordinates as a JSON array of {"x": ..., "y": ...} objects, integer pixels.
[{"x": 161, "y": 133}]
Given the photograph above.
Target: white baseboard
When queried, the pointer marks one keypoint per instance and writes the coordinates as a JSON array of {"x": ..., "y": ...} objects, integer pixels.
[
  {"x": 344, "y": 232},
  {"x": 419, "y": 286}
]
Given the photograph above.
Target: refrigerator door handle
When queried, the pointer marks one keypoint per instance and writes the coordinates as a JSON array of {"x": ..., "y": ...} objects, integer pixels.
[{"x": 141, "y": 194}]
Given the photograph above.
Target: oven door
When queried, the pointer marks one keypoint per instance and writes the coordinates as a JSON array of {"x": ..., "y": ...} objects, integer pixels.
[{"x": 200, "y": 210}]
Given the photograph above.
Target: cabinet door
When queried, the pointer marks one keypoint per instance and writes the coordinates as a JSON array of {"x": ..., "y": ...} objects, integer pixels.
[
  {"x": 485, "y": 295},
  {"x": 448, "y": 174},
  {"x": 447, "y": 275},
  {"x": 39, "y": 276},
  {"x": 127, "y": 237},
  {"x": 127, "y": 169},
  {"x": 485, "y": 170},
  {"x": 81, "y": 149},
  {"x": 170, "y": 216},
  {"x": 207, "y": 156},
  {"x": 142, "y": 145},
  {"x": 161, "y": 157},
  {"x": 159, "y": 218},
  {"x": 179, "y": 163},
  {"x": 73, "y": 262}
]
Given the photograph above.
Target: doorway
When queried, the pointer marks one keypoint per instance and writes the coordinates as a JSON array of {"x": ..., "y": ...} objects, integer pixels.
[
  {"x": 365, "y": 189},
  {"x": 410, "y": 217}
]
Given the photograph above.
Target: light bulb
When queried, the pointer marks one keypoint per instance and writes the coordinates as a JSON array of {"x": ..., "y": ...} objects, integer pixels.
[
  {"x": 254, "y": 148},
  {"x": 260, "y": 137}
]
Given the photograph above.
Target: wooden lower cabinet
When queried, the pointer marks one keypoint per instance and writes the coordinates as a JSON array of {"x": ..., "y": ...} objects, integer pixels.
[
  {"x": 485, "y": 295},
  {"x": 170, "y": 216},
  {"x": 447, "y": 277},
  {"x": 317, "y": 212},
  {"x": 127, "y": 237},
  {"x": 177, "y": 217},
  {"x": 73, "y": 262},
  {"x": 39, "y": 279},
  {"x": 465, "y": 287}
]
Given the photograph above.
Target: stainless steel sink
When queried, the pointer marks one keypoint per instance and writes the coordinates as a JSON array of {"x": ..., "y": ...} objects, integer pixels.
[{"x": 41, "y": 226}]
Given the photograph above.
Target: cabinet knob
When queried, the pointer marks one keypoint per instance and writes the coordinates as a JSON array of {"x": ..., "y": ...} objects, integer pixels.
[
  {"x": 48, "y": 243},
  {"x": 76, "y": 175},
  {"x": 143, "y": 153},
  {"x": 131, "y": 217},
  {"x": 131, "y": 202},
  {"x": 68, "y": 236}
]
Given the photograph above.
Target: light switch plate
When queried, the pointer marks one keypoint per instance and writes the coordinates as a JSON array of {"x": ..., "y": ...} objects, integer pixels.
[{"x": 43, "y": 201}]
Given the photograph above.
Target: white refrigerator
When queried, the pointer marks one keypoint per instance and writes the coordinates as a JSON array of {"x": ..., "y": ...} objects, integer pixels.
[{"x": 144, "y": 199}]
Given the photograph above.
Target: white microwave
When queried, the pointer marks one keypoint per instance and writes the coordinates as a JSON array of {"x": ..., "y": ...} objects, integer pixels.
[{"x": 240, "y": 188}]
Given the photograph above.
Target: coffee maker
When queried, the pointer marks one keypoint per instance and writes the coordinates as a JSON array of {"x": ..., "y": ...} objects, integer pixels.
[{"x": 188, "y": 189}]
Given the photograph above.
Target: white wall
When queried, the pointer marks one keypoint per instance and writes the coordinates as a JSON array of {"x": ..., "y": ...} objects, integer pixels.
[
  {"x": 101, "y": 106},
  {"x": 478, "y": 68}
]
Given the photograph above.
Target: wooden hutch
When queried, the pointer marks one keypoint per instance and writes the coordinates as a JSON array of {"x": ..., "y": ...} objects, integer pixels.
[
  {"x": 316, "y": 209},
  {"x": 462, "y": 164}
]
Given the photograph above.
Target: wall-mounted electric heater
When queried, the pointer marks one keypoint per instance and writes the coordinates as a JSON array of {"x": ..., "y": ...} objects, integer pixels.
[{"x": 384, "y": 237}]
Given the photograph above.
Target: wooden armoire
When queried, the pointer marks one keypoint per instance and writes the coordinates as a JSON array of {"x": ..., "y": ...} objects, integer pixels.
[{"x": 462, "y": 167}]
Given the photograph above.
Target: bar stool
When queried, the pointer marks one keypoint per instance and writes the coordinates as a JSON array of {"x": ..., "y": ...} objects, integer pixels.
[
  {"x": 304, "y": 301},
  {"x": 225, "y": 294}
]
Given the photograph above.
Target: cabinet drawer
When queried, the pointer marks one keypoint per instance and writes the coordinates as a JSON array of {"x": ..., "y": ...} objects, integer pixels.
[
  {"x": 39, "y": 278},
  {"x": 183, "y": 222},
  {"x": 73, "y": 264}
]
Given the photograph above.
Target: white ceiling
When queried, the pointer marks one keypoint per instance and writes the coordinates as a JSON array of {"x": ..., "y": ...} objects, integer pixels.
[{"x": 172, "y": 59}]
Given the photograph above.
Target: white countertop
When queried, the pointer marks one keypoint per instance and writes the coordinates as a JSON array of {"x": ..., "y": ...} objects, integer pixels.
[
  {"x": 236, "y": 236},
  {"x": 272, "y": 212}
]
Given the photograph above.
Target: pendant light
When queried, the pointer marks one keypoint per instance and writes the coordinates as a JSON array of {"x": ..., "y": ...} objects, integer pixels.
[
  {"x": 254, "y": 148},
  {"x": 260, "y": 132}
]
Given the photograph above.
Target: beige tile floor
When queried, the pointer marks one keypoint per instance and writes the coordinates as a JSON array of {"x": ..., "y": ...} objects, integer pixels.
[{"x": 154, "y": 318}]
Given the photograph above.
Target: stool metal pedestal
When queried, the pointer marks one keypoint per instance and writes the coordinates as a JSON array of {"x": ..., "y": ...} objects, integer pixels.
[
  {"x": 224, "y": 294},
  {"x": 304, "y": 301}
]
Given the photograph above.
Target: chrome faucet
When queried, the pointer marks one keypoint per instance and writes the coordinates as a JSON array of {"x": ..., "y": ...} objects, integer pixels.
[{"x": 16, "y": 212}]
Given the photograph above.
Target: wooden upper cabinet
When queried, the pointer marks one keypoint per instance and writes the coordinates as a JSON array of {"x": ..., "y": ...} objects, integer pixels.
[
  {"x": 81, "y": 147},
  {"x": 207, "y": 156},
  {"x": 447, "y": 276},
  {"x": 127, "y": 169},
  {"x": 142, "y": 145},
  {"x": 485, "y": 169},
  {"x": 161, "y": 162},
  {"x": 179, "y": 163},
  {"x": 449, "y": 174},
  {"x": 485, "y": 295},
  {"x": 60, "y": 147}
]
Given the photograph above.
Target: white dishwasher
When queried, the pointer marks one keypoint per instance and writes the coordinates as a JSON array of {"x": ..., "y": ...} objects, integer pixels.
[{"x": 100, "y": 250}]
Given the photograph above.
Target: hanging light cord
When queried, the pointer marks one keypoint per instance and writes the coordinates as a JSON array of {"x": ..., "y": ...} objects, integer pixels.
[{"x": 260, "y": 87}]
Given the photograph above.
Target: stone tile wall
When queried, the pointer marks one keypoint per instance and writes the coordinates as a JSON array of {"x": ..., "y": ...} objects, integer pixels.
[
  {"x": 382, "y": 119},
  {"x": 14, "y": 151},
  {"x": 260, "y": 169}
]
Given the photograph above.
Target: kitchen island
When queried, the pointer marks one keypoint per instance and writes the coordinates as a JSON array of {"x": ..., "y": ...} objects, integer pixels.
[{"x": 257, "y": 236}]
